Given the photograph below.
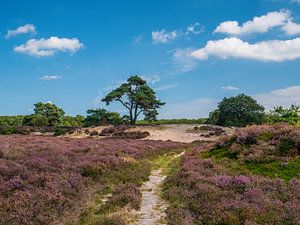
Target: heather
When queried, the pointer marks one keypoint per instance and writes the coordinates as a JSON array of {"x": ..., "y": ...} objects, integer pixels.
[
  {"x": 214, "y": 184},
  {"x": 271, "y": 151},
  {"x": 43, "y": 178}
]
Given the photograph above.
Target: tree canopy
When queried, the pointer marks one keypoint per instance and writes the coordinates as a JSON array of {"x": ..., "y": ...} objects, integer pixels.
[
  {"x": 137, "y": 97},
  {"x": 46, "y": 114},
  {"x": 101, "y": 116},
  {"x": 287, "y": 115},
  {"x": 240, "y": 111}
]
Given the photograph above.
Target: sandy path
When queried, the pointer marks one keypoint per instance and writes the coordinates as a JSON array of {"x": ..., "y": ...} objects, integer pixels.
[{"x": 152, "y": 205}]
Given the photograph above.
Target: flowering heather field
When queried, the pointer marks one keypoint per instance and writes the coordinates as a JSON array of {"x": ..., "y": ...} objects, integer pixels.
[
  {"x": 43, "y": 177},
  {"x": 252, "y": 178}
]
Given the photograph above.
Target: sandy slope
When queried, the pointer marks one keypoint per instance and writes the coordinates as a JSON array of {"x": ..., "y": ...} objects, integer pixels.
[{"x": 173, "y": 132}]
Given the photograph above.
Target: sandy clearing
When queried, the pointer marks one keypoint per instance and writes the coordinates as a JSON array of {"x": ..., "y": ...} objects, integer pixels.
[{"x": 173, "y": 132}]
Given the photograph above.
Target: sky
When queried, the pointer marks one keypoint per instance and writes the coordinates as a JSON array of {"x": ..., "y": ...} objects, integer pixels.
[{"x": 193, "y": 53}]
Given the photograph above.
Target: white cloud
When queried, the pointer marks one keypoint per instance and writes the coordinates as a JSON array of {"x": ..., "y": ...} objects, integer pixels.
[
  {"x": 27, "y": 28},
  {"x": 279, "y": 97},
  {"x": 166, "y": 87},
  {"x": 195, "y": 28},
  {"x": 195, "y": 108},
  {"x": 273, "y": 50},
  {"x": 50, "y": 46},
  {"x": 297, "y": 1},
  {"x": 163, "y": 36},
  {"x": 151, "y": 79},
  {"x": 260, "y": 24},
  {"x": 51, "y": 77},
  {"x": 183, "y": 60},
  {"x": 230, "y": 88},
  {"x": 291, "y": 28}
]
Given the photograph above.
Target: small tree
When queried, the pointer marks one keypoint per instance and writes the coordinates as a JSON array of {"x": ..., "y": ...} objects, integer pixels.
[
  {"x": 50, "y": 111},
  {"x": 101, "y": 116},
  {"x": 137, "y": 97},
  {"x": 240, "y": 111},
  {"x": 286, "y": 115}
]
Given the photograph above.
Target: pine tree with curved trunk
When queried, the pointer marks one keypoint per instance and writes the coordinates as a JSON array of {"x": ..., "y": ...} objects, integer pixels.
[{"x": 136, "y": 96}]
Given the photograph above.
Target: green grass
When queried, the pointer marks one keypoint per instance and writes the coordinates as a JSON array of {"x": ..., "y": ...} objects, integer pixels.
[
  {"x": 275, "y": 169},
  {"x": 220, "y": 153},
  {"x": 166, "y": 163},
  {"x": 270, "y": 168}
]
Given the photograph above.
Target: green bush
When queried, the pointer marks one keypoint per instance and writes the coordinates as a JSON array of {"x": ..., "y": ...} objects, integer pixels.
[
  {"x": 11, "y": 120},
  {"x": 285, "y": 147},
  {"x": 239, "y": 111},
  {"x": 70, "y": 121},
  {"x": 60, "y": 131},
  {"x": 284, "y": 115},
  {"x": 98, "y": 117},
  {"x": 7, "y": 130}
]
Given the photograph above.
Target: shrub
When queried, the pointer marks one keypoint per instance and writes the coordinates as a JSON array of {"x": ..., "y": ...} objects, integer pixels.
[
  {"x": 7, "y": 130},
  {"x": 110, "y": 220},
  {"x": 98, "y": 117},
  {"x": 204, "y": 191},
  {"x": 11, "y": 120},
  {"x": 58, "y": 131},
  {"x": 285, "y": 147},
  {"x": 239, "y": 111},
  {"x": 126, "y": 194},
  {"x": 41, "y": 177}
]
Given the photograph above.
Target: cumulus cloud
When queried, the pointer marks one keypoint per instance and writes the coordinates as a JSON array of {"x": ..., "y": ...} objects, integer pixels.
[
  {"x": 230, "y": 88},
  {"x": 51, "y": 77},
  {"x": 27, "y": 28},
  {"x": 273, "y": 50},
  {"x": 291, "y": 28},
  {"x": 50, "y": 46},
  {"x": 163, "y": 36},
  {"x": 261, "y": 24},
  {"x": 284, "y": 97}
]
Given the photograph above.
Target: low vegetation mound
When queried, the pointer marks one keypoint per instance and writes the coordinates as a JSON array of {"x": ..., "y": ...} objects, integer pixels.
[
  {"x": 122, "y": 132},
  {"x": 251, "y": 178},
  {"x": 42, "y": 178}
]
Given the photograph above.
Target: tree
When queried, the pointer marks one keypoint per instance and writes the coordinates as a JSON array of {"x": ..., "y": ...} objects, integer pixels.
[
  {"x": 98, "y": 117},
  {"x": 50, "y": 111},
  {"x": 70, "y": 121},
  {"x": 240, "y": 111},
  {"x": 136, "y": 96},
  {"x": 286, "y": 115}
]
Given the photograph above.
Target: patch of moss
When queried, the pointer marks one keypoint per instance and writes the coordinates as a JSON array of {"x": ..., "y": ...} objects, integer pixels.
[
  {"x": 220, "y": 153},
  {"x": 265, "y": 136}
]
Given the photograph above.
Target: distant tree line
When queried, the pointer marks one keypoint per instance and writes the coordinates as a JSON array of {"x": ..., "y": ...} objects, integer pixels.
[{"x": 139, "y": 99}]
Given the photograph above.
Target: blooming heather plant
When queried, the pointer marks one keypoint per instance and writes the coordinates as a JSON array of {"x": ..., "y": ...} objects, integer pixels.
[
  {"x": 204, "y": 191},
  {"x": 42, "y": 177}
]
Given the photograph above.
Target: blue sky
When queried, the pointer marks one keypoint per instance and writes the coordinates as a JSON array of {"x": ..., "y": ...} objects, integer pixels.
[{"x": 192, "y": 52}]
